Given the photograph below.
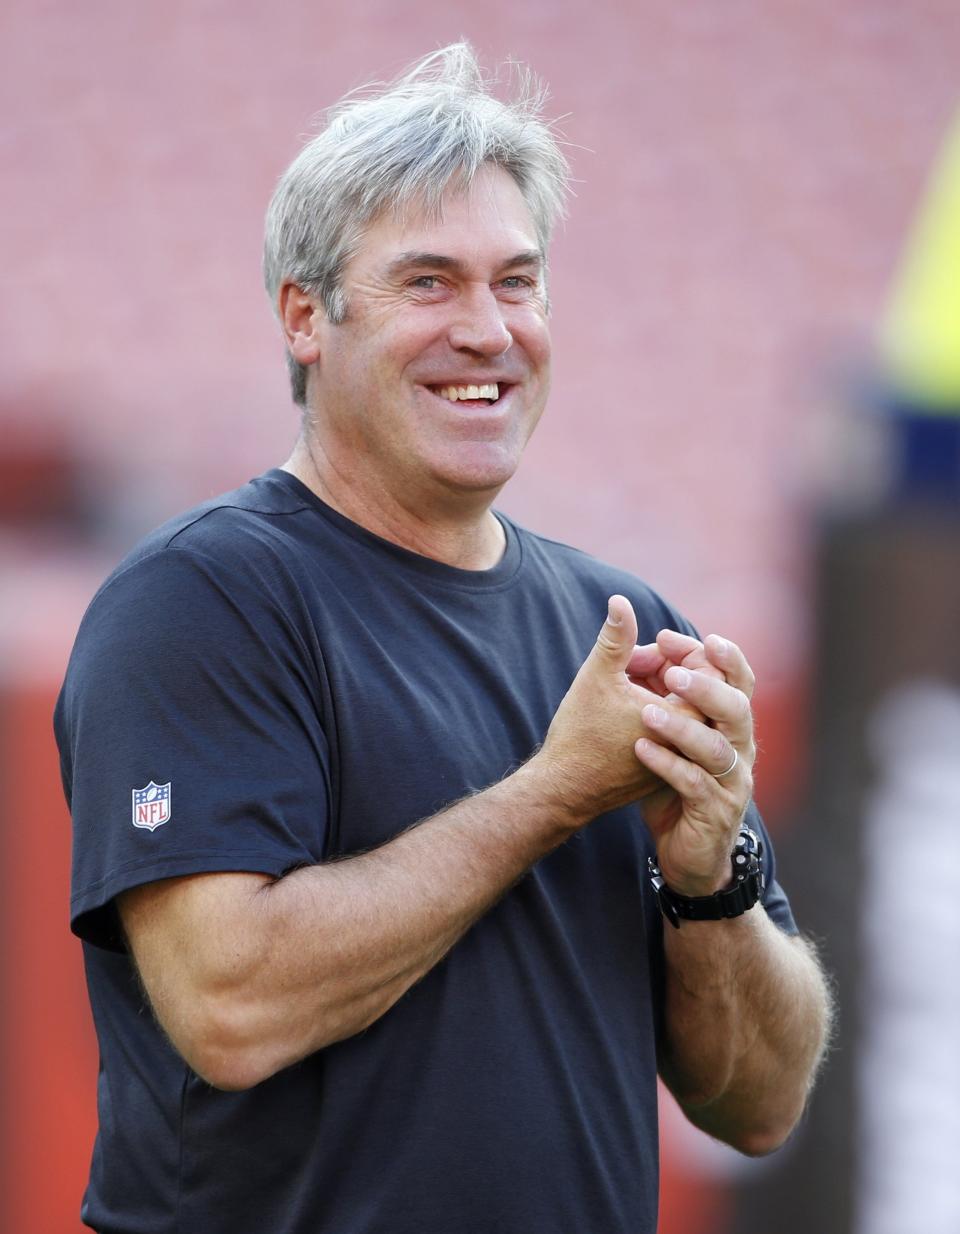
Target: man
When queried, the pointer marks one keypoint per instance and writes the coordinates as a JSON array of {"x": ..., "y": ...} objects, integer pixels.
[{"x": 355, "y": 780}]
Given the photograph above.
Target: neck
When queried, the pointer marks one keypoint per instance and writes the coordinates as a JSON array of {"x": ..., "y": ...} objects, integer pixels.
[{"x": 459, "y": 533}]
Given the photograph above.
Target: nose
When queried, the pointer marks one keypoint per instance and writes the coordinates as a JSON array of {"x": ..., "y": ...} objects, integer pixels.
[{"x": 478, "y": 325}]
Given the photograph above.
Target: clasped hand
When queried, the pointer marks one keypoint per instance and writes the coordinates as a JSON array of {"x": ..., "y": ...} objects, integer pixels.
[
  {"x": 658, "y": 724},
  {"x": 701, "y": 746}
]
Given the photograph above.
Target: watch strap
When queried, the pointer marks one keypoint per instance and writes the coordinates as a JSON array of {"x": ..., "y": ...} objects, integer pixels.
[{"x": 745, "y": 891}]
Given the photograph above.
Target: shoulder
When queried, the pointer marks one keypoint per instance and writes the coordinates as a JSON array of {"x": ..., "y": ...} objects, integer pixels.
[
  {"x": 229, "y": 528},
  {"x": 578, "y": 573},
  {"x": 255, "y": 540},
  {"x": 224, "y": 563}
]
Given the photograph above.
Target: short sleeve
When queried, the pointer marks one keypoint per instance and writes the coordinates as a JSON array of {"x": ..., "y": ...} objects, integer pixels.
[
  {"x": 191, "y": 734},
  {"x": 774, "y": 898}
]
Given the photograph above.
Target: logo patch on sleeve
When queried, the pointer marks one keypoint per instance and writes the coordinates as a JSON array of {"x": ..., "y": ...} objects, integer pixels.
[{"x": 151, "y": 806}]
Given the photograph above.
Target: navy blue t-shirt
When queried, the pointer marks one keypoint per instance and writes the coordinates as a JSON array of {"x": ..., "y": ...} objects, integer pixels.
[{"x": 263, "y": 684}]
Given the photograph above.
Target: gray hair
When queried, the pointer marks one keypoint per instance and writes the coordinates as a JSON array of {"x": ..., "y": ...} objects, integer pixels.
[{"x": 399, "y": 146}]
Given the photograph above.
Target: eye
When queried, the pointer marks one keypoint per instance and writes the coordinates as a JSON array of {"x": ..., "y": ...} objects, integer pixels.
[
  {"x": 518, "y": 285},
  {"x": 425, "y": 282}
]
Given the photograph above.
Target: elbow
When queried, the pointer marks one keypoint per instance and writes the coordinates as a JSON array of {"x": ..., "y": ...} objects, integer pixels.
[
  {"x": 761, "y": 1141},
  {"x": 746, "y": 1127},
  {"x": 229, "y": 1071},
  {"x": 223, "y": 1045},
  {"x": 234, "y": 1045},
  {"x": 764, "y": 1133}
]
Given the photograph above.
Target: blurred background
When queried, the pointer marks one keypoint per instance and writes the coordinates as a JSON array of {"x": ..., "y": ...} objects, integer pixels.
[{"x": 756, "y": 407}]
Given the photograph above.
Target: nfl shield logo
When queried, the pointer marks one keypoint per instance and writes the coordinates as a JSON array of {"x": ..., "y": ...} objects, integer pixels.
[{"x": 151, "y": 805}]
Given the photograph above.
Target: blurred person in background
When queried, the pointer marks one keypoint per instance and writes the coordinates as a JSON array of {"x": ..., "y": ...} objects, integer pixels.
[{"x": 355, "y": 780}]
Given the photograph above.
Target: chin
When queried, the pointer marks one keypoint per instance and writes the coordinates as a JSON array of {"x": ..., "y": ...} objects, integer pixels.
[
  {"x": 487, "y": 467},
  {"x": 480, "y": 479}
]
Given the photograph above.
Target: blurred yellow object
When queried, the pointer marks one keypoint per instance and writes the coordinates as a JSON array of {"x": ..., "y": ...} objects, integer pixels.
[{"x": 920, "y": 335}]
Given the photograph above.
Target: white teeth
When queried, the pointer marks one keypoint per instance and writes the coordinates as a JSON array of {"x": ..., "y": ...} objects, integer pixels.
[{"x": 455, "y": 393}]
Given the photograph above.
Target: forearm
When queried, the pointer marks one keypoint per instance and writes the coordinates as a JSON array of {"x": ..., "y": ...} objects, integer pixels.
[
  {"x": 746, "y": 1023},
  {"x": 286, "y": 967}
]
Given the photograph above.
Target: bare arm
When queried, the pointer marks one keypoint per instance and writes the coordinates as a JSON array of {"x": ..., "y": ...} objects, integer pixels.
[
  {"x": 248, "y": 974},
  {"x": 748, "y": 1015},
  {"x": 747, "y": 1012}
]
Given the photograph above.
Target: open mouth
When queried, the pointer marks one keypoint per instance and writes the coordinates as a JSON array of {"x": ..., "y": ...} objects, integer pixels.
[{"x": 487, "y": 393}]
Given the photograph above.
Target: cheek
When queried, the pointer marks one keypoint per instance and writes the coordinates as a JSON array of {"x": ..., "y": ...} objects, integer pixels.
[
  {"x": 394, "y": 350},
  {"x": 533, "y": 334}
]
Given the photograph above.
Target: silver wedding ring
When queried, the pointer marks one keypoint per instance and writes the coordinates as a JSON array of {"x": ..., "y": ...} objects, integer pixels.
[{"x": 721, "y": 774}]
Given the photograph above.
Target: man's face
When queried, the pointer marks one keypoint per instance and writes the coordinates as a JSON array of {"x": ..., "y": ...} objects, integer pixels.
[{"x": 435, "y": 307}]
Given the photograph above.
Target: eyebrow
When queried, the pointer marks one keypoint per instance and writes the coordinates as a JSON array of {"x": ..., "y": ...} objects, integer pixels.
[{"x": 439, "y": 261}]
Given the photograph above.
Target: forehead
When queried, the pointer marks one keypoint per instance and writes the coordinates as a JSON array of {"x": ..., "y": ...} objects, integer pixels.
[{"x": 482, "y": 224}]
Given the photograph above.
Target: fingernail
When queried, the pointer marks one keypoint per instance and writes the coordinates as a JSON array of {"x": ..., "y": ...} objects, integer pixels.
[
  {"x": 680, "y": 678},
  {"x": 721, "y": 645},
  {"x": 654, "y": 715},
  {"x": 613, "y": 617}
]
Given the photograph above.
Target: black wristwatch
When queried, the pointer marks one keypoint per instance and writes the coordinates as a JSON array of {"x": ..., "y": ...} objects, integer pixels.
[{"x": 746, "y": 890}]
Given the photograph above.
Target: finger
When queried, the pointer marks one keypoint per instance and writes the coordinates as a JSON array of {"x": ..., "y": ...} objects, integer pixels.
[
  {"x": 646, "y": 661},
  {"x": 695, "y": 785},
  {"x": 674, "y": 646},
  {"x": 647, "y": 666},
  {"x": 695, "y": 741},
  {"x": 731, "y": 661},
  {"x": 719, "y": 701},
  {"x": 685, "y": 650},
  {"x": 617, "y": 637},
  {"x": 645, "y": 693}
]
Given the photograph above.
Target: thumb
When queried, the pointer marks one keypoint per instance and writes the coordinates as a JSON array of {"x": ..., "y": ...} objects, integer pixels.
[{"x": 618, "y": 636}]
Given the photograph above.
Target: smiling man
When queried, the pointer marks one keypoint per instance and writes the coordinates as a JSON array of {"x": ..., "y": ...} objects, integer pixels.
[{"x": 374, "y": 810}]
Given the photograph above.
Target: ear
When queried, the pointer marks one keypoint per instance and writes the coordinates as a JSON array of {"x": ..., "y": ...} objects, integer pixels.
[{"x": 300, "y": 317}]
